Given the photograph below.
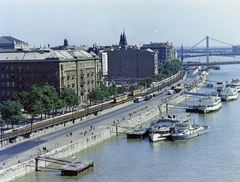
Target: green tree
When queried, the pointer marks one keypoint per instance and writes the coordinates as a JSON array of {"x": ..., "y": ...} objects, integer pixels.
[
  {"x": 121, "y": 90},
  {"x": 23, "y": 98},
  {"x": 148, "y": 81},
  {"x": 143, "y": 83},
  {"x": 69, "y": 98},
  {"x": 12, "y": 112},
  {"x": 113, "y": 89},
  {"x": 36, "y": 106},
  {"x": 96, "y": 95},
  {"x": 49, "y": 98},
  {"x": 2, "y": 124}
]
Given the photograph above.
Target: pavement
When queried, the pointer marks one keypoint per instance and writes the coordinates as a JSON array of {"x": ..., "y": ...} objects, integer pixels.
[{"x": 29, "y": 148}]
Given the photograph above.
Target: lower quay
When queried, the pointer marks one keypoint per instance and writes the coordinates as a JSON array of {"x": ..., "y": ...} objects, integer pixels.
[{"x": 99, "y": 135}]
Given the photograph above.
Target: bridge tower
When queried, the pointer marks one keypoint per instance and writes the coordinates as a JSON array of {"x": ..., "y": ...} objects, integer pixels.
[
  {"x": 182, "y": 53},
  {"x": 207, "y": 49}
]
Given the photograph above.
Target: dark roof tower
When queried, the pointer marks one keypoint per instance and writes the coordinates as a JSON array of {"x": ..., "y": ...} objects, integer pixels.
[{"x": 123, "y": 39}]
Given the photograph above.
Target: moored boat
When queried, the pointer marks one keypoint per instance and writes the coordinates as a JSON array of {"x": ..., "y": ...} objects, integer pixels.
[
  {"x": 234, "y": 83},
  {"x": 209, "y": 103},
  {"x": 159, "y": 132},
  {"x": 162, "y": 128},
  {"x": 219, "y": 86},
  {"x": 187, "y": 131},
  {"x": 228, "y": 94}
]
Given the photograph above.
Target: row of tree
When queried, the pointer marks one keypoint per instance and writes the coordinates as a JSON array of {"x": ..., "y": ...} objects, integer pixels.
[
  {"x": 98, "y": 94},
  {"x": 41, "y": 100},
  {"x": 165, "y": 70}
]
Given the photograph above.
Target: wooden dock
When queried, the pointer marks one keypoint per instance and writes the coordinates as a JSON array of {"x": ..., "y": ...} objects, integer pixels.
[
  {"x": 192, "y": 108},
  {"x": 76, "y": 169},
  {"x": 68, "y": 168},
  {"x": 138, "y": 133}
]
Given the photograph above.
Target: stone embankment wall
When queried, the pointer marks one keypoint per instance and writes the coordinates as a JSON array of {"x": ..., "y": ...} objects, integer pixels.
[
  {"x": 174, "y": 99},
  {"x": 26, "y": 167}
]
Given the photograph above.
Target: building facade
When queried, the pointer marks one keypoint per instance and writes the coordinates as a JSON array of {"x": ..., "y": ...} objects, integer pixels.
[
  {"x": 61, "y": 69},
  {"x": 104, "y": 66},
  {"x": 131, "y": 65},
  {"x": 166, "y": 51}
]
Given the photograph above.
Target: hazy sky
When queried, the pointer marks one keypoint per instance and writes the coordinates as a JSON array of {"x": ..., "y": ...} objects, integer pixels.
[{"x": 85, "y": 22}]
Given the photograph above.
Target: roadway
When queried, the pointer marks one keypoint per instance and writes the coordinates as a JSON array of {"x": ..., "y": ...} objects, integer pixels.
[{"x": 28, "y": 148}]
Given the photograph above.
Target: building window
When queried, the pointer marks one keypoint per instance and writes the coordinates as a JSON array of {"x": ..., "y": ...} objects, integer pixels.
[
  {"x": 12, "y": 68},
  {"x": 7, "y": 75},
  {"x": 6, "y": 67},
  {"x": 12, "y": 84},
  {"x": 2, "y": 92},
  {"x": 7, "y": 84},
  {"x": 2, "y": 84},
  {"x": 2, "y": 75},
  {"x": 20, "y": 68},
  {"x": 12, "y": 75}
]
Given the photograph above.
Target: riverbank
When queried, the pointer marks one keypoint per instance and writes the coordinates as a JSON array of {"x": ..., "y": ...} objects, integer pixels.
[{"x": 97, "y": 135}]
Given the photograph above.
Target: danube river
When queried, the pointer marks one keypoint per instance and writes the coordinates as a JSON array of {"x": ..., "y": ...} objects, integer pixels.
[{"x": 214, "y": 156}]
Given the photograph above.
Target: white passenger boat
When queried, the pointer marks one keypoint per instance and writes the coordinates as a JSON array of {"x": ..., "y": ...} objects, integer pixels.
[
  {"x": 186, "y": 131},
  {"x": 159, "y": 132},
  {"x": 234, "y": 83},
  {"x": 219, "y": 86},
  {"x": 209, "y": 103},
  {"x": 228, "y": 94},
  {"x": 162, "y": 128}
]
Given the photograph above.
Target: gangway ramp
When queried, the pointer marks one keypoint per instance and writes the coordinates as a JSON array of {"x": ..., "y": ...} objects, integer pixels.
[{"x": 192, "y": 93}]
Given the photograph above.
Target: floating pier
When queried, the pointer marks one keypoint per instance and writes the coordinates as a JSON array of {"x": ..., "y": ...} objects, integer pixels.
[
  {"x": 138, "y": 133},
  {"x": 75, "y": 169},
  {"x": 68, "y": 168},
  {"x": 192, "y": 108}
]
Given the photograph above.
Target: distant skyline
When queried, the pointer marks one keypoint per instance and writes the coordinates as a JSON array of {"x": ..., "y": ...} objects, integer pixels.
[{"x": 101, "y": 22}]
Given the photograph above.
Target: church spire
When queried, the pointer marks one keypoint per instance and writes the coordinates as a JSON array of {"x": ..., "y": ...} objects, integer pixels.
[{"x": 123, "y": 39}]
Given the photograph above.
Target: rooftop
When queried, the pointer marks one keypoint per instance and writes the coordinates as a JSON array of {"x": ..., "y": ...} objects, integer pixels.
[
  {"x": 9, "y": 40},
  {"x": 45, "y": 55}
]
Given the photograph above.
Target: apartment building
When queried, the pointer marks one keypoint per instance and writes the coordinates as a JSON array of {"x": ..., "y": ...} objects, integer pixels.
[
  {"x": 131, "y": 65},
  {"x": 165, "y": 50},
  {"x": 61, "y": 69}
]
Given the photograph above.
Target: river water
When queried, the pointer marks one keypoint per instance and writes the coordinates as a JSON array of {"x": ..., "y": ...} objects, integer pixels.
[{"x": 214, "y": 156}]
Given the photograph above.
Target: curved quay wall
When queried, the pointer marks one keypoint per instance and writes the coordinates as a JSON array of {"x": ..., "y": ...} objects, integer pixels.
[
  {"x": 172, "y": 100},
  {"x": 26, "y": 167}
]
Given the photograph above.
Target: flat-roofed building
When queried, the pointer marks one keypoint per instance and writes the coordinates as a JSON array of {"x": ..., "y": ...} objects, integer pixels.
[
  {"x": 131, "y": 65},
  {"x": 165, "y": 50},
  {"x": 74, "y": 69}
]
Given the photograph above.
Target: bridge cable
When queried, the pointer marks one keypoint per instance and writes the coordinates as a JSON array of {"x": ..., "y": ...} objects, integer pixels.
[
  {"x": 195, "y": 45},
  {"x": 222, "y": 42}
]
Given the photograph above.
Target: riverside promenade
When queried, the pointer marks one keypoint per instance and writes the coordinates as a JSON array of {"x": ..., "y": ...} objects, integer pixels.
[{"x": 71, "y": 141}]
